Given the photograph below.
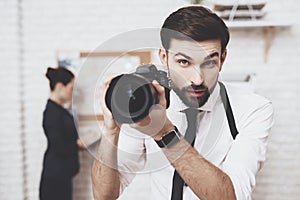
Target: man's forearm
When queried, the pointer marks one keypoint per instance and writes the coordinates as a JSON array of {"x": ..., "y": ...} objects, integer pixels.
[
  {"x": 206, "y": 180},
  {"x": 105, "y": 175}
]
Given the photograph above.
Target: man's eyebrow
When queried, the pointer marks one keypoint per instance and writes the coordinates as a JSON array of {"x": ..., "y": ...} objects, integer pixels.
[
  {"x": 211, "y": 55},
  {"x": 184, "y": 55},
  {"x": 206, "y": 58}
]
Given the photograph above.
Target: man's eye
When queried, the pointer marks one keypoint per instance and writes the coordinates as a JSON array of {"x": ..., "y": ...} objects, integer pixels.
[
  {"x": 183, "y": 63},
  {"x": 209, "y": 63}
]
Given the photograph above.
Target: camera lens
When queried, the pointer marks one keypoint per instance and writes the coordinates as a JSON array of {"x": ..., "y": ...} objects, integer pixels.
[{"x": 130, "y": 97}]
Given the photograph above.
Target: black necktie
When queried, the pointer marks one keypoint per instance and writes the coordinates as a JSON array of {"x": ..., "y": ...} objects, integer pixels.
[{"x": 190, "y": 135}]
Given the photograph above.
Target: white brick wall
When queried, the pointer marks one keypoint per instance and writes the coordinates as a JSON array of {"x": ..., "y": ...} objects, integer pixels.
[
  {"x": 10, "y": 123},
  {"x": 48, "y": 26}
]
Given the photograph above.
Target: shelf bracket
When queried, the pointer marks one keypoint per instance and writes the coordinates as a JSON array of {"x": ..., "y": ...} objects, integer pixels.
[{"x": 267, "y": 32}]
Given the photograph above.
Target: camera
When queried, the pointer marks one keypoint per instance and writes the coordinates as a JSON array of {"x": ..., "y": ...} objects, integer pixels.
[{"x": 130, "y": 96}]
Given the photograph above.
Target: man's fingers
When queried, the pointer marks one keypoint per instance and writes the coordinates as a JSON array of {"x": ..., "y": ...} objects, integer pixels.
[
  {"x": 160, "y": 89},
  {"x": 103, "y": 104},
  {"x": 161, "y": 93},
  {"x": 143, "y": 122},
  {"x": 153, "y": 123},
  {"x": 106, "y": 84}
]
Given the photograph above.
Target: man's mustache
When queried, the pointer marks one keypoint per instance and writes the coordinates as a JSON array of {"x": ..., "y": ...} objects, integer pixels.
[{"x": 195, "y": 87}]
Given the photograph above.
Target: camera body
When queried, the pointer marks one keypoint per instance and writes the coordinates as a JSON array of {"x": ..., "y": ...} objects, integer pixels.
[{"x": 130, "y": 96}]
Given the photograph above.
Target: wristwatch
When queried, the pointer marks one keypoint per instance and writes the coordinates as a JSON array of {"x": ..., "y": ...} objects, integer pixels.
[{"x": 169, "y": 139}]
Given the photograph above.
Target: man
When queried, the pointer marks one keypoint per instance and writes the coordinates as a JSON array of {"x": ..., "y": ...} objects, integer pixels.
[{"x": 228, "y": 147}]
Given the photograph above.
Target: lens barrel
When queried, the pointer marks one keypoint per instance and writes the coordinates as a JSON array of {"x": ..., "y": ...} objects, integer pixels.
[{"x": 130, "y": 97}]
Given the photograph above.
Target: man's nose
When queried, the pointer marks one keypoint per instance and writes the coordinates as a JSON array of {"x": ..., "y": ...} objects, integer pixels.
[{"x": 196, "y": 76}]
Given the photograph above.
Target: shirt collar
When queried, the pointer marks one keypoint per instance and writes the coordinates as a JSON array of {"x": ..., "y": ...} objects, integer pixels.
[{"x": 178, "y": 105}]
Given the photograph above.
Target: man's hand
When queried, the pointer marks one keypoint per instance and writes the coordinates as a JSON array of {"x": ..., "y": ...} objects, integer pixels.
[
  {"x": 111, "y": 127},
  {"x": 156, "y": 124},
  {"x": 105, "y": 175}
]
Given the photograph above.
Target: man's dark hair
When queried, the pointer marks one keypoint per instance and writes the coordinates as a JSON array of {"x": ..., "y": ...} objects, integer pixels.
[
  {"x": 58, "y": 75},
  {"x": 194, "y": 23}
]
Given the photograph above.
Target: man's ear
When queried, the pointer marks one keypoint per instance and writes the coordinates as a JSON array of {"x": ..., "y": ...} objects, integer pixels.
[
  {"x": 223, "y": 57},
  {"x": 162, "y": 53}
]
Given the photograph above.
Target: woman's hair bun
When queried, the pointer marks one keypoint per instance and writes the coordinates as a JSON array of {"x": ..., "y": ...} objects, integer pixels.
[
  {"x": 56, "y": 75},
  {"x": 50, "y": 74}
]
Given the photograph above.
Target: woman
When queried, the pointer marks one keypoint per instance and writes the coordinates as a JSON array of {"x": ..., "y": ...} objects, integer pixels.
[{"x": 61, "y": 162}]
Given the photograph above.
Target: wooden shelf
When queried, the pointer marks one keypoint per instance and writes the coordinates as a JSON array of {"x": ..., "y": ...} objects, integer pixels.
[
  {"x": 90, "y": 117},
  {"x": 267, "y": 26}
]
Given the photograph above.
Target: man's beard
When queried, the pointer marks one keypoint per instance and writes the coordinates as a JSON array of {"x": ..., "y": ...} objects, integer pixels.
[{"x": 191, "y": 97}]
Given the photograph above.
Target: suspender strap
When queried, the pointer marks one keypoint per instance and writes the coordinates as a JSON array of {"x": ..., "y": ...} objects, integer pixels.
[{"x": 228, "y": 110}]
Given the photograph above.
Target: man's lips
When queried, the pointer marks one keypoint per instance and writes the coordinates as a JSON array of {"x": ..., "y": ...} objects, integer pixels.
[{"x": 196, "y": 93}]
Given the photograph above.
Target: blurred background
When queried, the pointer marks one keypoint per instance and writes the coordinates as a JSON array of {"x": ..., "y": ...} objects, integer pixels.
[{"x": 35, "y": 34}]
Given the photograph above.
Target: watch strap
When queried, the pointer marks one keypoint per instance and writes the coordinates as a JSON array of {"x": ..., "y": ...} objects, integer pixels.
[{"x": 169, "y": 139}]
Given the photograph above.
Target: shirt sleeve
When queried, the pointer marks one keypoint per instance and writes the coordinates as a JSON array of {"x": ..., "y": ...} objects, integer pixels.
[
  {"x": 131, "y": 155},
  {"x": 248, "y": 151}
]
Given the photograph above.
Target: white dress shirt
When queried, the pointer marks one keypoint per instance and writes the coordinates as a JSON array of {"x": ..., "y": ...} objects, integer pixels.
[{"x": 241, "y": 158}]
